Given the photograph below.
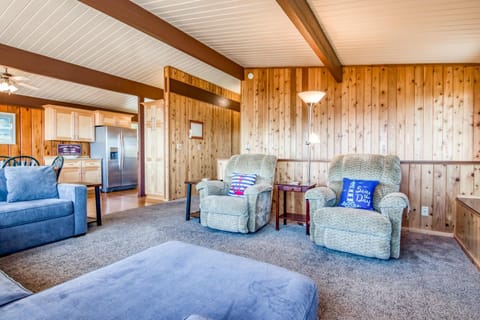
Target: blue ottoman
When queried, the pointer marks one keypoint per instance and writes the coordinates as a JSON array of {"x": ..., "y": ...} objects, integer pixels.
[{"x": 176, "y": 280}]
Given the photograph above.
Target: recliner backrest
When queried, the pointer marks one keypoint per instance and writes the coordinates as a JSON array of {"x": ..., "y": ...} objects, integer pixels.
[
  {"x": 260, "y": 164},
  {"x": 383, "y": 168}
]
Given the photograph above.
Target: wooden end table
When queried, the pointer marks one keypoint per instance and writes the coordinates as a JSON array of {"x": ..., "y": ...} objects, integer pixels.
[
  {"x": 189, "y": 184},
  {"x": 286, "y": 187}
]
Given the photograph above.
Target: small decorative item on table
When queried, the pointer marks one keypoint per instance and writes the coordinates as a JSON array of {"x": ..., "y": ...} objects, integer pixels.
[{"x": 293, "y": 186}]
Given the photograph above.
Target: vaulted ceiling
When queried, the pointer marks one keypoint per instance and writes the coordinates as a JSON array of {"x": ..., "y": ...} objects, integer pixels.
[{"x": 251, "y": 33}]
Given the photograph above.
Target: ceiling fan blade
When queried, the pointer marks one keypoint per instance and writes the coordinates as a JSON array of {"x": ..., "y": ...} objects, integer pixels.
[
  {"x": 19, "y": 78},
  {"x": 27, "y": 86}
]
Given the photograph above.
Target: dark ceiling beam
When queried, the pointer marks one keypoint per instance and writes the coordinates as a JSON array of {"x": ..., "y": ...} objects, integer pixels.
[
  {"x": 187, "y": 90},
  {"x": 49, "y": 67},
  {"x": 135, "y": 16},
  {"x": 32, "y": 102},
  {"x": 307, "y": 24}
]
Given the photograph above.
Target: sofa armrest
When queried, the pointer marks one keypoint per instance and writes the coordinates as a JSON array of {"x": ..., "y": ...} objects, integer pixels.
[
  {"x": 258, "y": 188},
  {"x": 77, "y": 193},
  {"x": 212, "y": 187}
]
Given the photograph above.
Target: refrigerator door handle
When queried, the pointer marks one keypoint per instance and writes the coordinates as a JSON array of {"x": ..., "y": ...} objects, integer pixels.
[{"x": 122, "y": 151}]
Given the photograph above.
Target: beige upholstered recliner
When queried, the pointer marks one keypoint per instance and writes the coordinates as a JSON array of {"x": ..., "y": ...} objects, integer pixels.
[
  {"x": 244, "y": 214},
  {"x": 369, "y": 233}
]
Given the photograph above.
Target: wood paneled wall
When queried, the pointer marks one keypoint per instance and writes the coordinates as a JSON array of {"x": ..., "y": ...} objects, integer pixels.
[
  {"x": 30, "y": 134},
  {"x": 194, "y": 159},
  {"x": 429, "y": 115}
]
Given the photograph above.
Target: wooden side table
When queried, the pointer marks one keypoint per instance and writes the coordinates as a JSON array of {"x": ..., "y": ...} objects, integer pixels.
[
  {"x": 189, "y": 198},
  {"x": 98, "y": 207},
  {"x": 286, "y": 187}
]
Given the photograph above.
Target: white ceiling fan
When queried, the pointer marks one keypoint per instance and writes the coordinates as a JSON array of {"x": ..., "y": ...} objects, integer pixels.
[{"x": 10, "y": 83}]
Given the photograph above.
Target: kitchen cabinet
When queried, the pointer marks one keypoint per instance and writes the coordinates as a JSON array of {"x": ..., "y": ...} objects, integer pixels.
[
  {"x": 80, "y": 170},
  {"x": 106, "y": 118},
  {"x": 69, "y": 124}
]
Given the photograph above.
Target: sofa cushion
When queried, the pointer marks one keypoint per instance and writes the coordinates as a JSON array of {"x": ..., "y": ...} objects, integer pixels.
[
  {"x": 20, "y": 181},
  {"x": 173, "y": 281},
  {"x": 3, "y": 185},
  {"x": 10, "y": 290},
  {"x": 19, "y": 213},
  {"x": 353, "y": 220}
]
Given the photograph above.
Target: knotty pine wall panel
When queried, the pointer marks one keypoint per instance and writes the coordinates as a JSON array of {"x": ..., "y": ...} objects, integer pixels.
[
  {"x": 194, "y": 159},
  {"x": 30, "y": 135},
  {"x": 429, "y": 115}
]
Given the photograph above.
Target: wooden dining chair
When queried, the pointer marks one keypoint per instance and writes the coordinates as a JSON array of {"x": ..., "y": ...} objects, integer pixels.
[
  {"x": 57, "y": 165},
  {"x": 17, "y": 161},
  {"x": 2, "y": 160}
]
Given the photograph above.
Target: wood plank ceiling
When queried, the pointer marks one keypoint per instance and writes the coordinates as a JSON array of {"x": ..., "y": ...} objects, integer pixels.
[
  {"x": 253, "y": 33},
  {"x": 401, "y": 32}
]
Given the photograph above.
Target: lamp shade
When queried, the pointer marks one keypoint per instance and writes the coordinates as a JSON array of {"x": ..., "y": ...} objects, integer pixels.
[{"x": 311, "y": 96}]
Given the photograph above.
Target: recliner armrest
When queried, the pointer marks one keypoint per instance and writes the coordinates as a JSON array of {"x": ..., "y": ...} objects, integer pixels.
[
  {"x": 321, "y": 196},
  {"x": 77, "y": 193},
  {"x": 395, "y": 200},
  {"x": 212, "y": 187},
  {"x": 258, "y": 188}
]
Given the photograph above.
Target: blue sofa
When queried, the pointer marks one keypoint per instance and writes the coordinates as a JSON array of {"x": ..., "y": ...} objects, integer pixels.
[
  {"x": 35, "y": 210},
  {"x": 174, "y": 280}
]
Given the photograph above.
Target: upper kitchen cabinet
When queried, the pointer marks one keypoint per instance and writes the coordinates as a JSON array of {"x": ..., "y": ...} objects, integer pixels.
[
  {"x": 105, "y": 118},
  {"x": 69, "y": 124}
]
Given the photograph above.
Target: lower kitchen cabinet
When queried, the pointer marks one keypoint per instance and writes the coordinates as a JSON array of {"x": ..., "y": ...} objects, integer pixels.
[{"x": 79, "y": 170}]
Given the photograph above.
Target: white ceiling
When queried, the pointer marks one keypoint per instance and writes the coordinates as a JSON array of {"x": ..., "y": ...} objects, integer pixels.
[
  {"x": 401, "y": 32},
  {"x": 54, "y": 89},
  {"x": 253, "y": 33}
]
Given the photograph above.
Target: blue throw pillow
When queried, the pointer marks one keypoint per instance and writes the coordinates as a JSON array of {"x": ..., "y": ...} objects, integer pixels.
[
  {"x": 357, "y": 194},
  {"x": 3, "y": 185},
  {"x": 240, "y": 182},
  {"x": 31, "y": 183}
]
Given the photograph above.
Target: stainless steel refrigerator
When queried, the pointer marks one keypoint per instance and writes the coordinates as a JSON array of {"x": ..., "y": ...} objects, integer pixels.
[{"x": 117, "y": 147}]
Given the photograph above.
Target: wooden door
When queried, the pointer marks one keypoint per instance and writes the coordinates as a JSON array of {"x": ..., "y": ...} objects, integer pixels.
[
  {"x": 71, "y": 171},
  {"x": 85, "y": 126},
  {"x": 59, "y": 124},
  {"x": 92, "y": 170},
  {"x": 124, "y": 121},
  {"x": 155, "y": 182}
]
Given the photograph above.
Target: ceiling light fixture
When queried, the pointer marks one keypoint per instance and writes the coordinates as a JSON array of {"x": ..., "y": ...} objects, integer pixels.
[{"x": 7, "y": 86}]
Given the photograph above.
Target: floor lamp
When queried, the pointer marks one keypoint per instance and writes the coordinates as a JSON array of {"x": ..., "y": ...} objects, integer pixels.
[{"x": 310, "y": 98}]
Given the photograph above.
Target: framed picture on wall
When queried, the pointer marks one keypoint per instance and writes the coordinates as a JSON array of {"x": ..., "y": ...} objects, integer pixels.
[
  {"x": 196, "y": 129},
  {"x": 7, "y": 128}
]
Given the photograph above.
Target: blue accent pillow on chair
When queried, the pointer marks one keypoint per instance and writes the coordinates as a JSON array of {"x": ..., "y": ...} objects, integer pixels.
[
  {"x": 357, "y": 194},
  {"x": 31, "y": 183},
  {"x": 240, "y": 182}
]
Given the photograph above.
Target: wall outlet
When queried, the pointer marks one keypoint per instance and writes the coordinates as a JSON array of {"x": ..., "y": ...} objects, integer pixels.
[
  {"x": 425, "y": 211},
  {"x": 179, "y": 146}
]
